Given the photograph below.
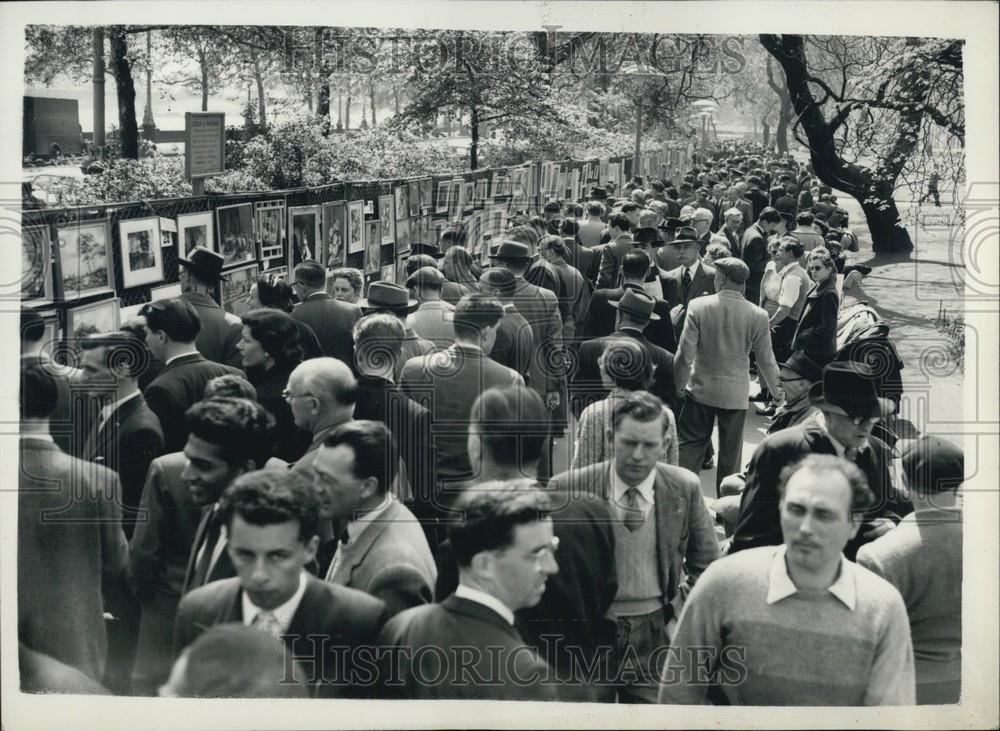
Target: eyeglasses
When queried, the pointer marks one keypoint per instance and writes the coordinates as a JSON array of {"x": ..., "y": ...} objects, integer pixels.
[
  {"x": 789, "y": 380},
  {"x": 288, "y": 395},
  {"x": 817, "y": 268}
]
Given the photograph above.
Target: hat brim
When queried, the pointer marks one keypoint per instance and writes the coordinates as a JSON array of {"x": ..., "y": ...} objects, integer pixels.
[
  {"x": 882, "y": 407},
  {"x": 652, "y": 315},
  {"x": 202, "y": 270},
  {"x": 678, "y": 242},
  {"x": 504, "y": 257},
  {"x": 410, "y": 306}
]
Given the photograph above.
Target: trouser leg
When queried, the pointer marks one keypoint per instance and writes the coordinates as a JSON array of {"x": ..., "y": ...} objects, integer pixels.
[
  {"x": 694, "y": 433},
  {"x": 730, "y": 443}
]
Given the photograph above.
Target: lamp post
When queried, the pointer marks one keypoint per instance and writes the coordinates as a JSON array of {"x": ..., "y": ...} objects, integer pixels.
[
  {"x": 98, "y": 79},
  {"x": 148, "y": 125}
]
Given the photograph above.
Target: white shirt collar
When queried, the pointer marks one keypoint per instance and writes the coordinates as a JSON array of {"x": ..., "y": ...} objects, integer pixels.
[
  {"x": 487, "y": 600},
  {"x": 40, "y": 437},
  {"x": 356, "y": 527},
  {"x": 693, "y": 269},
  {"x": 108, "y": 410},
  {"x": 645, "y": 488},
  {"x": 180, "y": 355},
  {"x": 780, "y": 585},
  {"x": 283, "y": 614}
]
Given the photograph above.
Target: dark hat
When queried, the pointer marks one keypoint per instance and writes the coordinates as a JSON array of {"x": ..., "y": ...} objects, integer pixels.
[
  {"x": 426, "y": 275},
  {"x": 805, "y": 366},
  {"x": 684, "y": 235},
  {"x": 769, "y": 214},
  {"x": 932, "y": 464},
  {"x": 387, "y": 296},
  {"x": 638, "y": 304},
  {"x": 429, "y": 249},
  {"x": 499, "y": 278},
  {"x": 512, "y": 251},
  {"x": 735, "y": 269},
  {"x": 672, "y": 223},
  {"x": 848, "y": 389},
  {"x": 647, "y": 235},
  {"x": 205, "y": 264},
  {"x": 598, "y": 193}
]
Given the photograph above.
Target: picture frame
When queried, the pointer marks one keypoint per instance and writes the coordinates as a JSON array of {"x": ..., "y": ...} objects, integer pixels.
[
  {"x": 496, "y": 222},
  {"x": 401, "y": 269},
  {"x": 236, "y": 234},
  {"x": 389, "y": 273},
  {"x": 83, "y": 251},
  {"x": 235, "y": 288},
  {"x": 413, "y": 193},
  {"x": 373, "y": 246},
  {"x": 165, "y": 292},
  {"x": 355, "y": 227},
  {"x": 275, "y": 274},
  {"x": 387, "y": 217},
  {"x": 469, "y": 202},
  {"x": 457, "y": 199},
  {"x": 126, "y": 313},
  {"x": 334, "y": 234},
  {"x": 482, "y": 192},
  {"x": 142, "y": 259},
  {"x": 269, "y": 221},
  {"x": 168, "y": 232},
  {"x": 304, "y": 224},
  {"x": 402, "y": 235},
  {"x": 444, "y": 193},
  {"x": 401, "y": 202},
  {"x": 194, "y": 229},
  {"x": 53, "y": 332},
  {"x": 36, "y": 266},
  {"x": 426, "y": 195},
  {"x": 474, "y": 236},
  {"x": 100, "y": 316}
]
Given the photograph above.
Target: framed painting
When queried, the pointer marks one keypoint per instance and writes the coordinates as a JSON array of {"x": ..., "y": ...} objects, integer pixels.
[
  {"x": 194, "y": 229},
  {"x": 355, "y": 227},
  {"x": 496, "y": 222},
  {"x": 388, "y": 218},
  {"x": 84, "y": 254},
  {"x": 236, "y": 289},
  {"x": 401, "y": 195},
  {"x": 426, "y": 195},
  {"x": 277, "y": 274},
  {"x": 142, "y": 260},
  {"x": 444, "y": 194},
  {"x": 333, "y": 250},
  {"x": 236, "y": 234},
  {"x": 36, "y": 266},
  {"x": 52, "y": 336},
  {"x": 270, "y": 226},
  {"x": 165, "y": 292},
  {"x": 129, "y": 313},
  {"x": 413, "y": 197},
  {"x": 373, "y": 246},
  {"x": 303, "y": 233},
  {"x": 402, "y": 235},
  {"x": 91, "y": 318},
  {"x": 468, "y": 199},
  {"x": 401, "y": 269},
  {"x": 389, "y": 273},
  {"x": 168, "y": 232},
  {"x": 482, "y": 192}
]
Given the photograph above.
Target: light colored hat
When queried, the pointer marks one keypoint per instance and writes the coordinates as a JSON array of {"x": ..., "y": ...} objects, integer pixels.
[{"x": 734, "y": 269}]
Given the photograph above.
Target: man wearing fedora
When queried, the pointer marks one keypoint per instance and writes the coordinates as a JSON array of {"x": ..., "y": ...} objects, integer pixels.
[
  {"x": 330, "y": 319},
  {"x": 635, "y": 310},
  {"x": 849, "y": 408},
  {"x": 432, "y": 318},
  {"x": 691, "y": 279},
  {"x": 515, "y": 343},
  {"x": 620, "y": 243},
  {"x": 712, "y": 365},
  {"x": 395, "y": 300},
  {"x": 220, "y": 330}
]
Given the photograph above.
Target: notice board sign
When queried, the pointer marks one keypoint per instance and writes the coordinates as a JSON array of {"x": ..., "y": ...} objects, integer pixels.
[{"x": 204, "y": 144}]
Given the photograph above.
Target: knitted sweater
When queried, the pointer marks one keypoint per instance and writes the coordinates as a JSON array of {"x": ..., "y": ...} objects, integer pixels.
[{"x": 807, "y": 648}]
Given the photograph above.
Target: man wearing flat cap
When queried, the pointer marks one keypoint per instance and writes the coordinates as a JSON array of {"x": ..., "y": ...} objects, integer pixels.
[
  {"x": 922, "y": 558},
  {"x": 712, "y": 366},
  {"x": 849, "y": 409},
  {"x": 220, "y": 332}
]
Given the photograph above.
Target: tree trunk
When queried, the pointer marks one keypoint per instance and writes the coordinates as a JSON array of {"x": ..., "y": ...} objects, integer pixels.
[
  {"x": 203, "y": 65},
  {"x": 323, "y": 106},
  {"x": 781, "y": 134},
  {"x": 395, "y": 96},
  {"x": 347, "y": 111},
  {"x": 371, "y": 96},
  {"x": 128, "y": 128},
  {"x": 474, "y": 145},
  {"x": 637, "y": 153},
  {"x": 888, "y": 236},
  {"x": 766, "y": 132},
  {"x": 261, "y": 103}
]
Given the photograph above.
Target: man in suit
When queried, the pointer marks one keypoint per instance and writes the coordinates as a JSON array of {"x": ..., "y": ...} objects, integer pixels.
[
  {"x": 635, "y": 310},
  {"x": 515, "y": 343},
  {"x": 330, "y": 319},
  {"x": 69, "y": 538},
  {"x": 664, "y": 536},
  {"x": 504, "y": 546},
  {"x": 432, "y": 319},
  {"x": 385, "y": 553},
  {"x": 688, "y": 281},
  {"x": 272, "y": 517},
  {"x": 849, "y": 409},
  {"x": 390, "y": 298},
  {"x": 229, "y": 437},
  {"x": 735, "y": 199},
  {"x": 448, "y": 381},
  {"x": 583, "y": 258},
  {"x": 732, "y": 229},
  {"x": 754, "y": 246},
  {"x": 620, "y": 243},
  {"x": 172, "y": 326},
  {"x": 712, "y": 365},
  {"x": 220, "y": 332},
  {"x": 702, "y": 219},
  {"x": 758, "y": 198},
  {"x": 378, "y": 341},
  {"x": 322, "y": 394}
]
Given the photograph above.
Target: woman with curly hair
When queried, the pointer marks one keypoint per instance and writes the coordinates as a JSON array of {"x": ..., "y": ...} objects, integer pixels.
[
  {"x": 816, "y": 334},
  {"x": 271, "y": 351},
  {"x": 276, "y": 294},
  {"x": 460, "y": 268}
]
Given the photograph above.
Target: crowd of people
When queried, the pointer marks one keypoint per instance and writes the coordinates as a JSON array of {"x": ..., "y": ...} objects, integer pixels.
[{"x": 353, "y": 494}]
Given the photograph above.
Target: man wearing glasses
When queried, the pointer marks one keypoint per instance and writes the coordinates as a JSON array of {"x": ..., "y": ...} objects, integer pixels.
[
  {"x": 321, "y": 393},
  {"x": 849, "y": 408}
]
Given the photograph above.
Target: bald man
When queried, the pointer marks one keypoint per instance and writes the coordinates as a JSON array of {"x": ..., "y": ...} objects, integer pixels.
[{"x": 321, "y": 393}]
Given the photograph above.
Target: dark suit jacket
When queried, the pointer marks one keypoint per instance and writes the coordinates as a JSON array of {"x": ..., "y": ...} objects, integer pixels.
[
  {"x": 755, "y": 257},
  {"x": 126, "y": 443},
  {"x": 543, "y": 275},
  {"x": 587, "y": 385},
  {"x": 758, "y": 202},
  {"x": 290, "y": 442},
  {"x": 410, "y": 424},
  {"x": 178, "y": 387},
  {"x": 702, "y": 284},
  {"x": 68, "y": 424},
  {"x": 330, "y": 620},
  {"x": 220, "y": 330},
  {"x": 816, "y": 332},
  {"x": 735, "y": 242},
  {"x": 515, "y": 343},
  {"x": 468, "y": 636},
  {"x": 611, "y": 262},
  {"x": 585, "y": 260},
  {"x": 331, "y": 321},
  {"x": 577, "y": 601},
  {"x": 759, "y": 522},
  {"x": 223, "y": 567},
  {"x": 685, "y": 533},
  {"x": 452, "y": 292},
  {"x": 540, "y": 308},
  {"x": 602, "y": 318},
  {"x": 69, "y": 540}
]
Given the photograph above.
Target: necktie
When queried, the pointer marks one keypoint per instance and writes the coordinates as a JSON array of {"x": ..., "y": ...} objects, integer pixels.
[
  {"x": 633, "y": 512},
  {"x": 338, "y": 557},
  {"x": 851, "y": 454},
  {"x": 212, "y": 532},
  {"x": 267, "y": 622},
  {"x": 686, "y": 279}
]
